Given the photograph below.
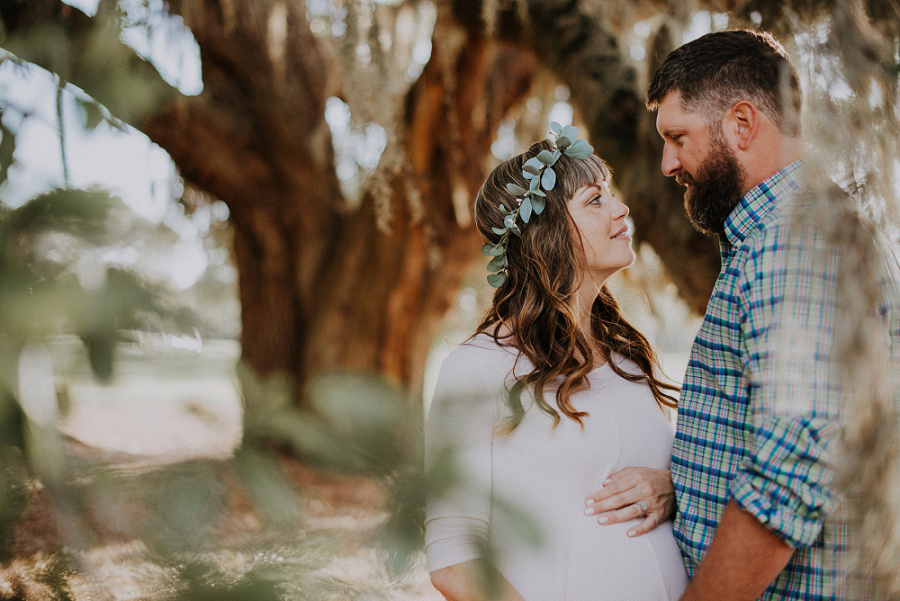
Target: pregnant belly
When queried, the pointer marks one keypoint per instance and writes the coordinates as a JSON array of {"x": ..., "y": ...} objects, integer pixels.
[{"x": 590, "y": 562}]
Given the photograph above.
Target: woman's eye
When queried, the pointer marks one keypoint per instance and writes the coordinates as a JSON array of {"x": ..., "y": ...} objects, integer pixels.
[{"x": 597, "y": 199}]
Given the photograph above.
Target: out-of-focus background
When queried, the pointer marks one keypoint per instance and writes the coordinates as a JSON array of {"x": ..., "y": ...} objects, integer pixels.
[{"x": 236, "y": 243}]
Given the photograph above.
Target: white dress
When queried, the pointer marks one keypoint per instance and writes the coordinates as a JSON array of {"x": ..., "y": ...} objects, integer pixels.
[{"x": 518, "y": 498}]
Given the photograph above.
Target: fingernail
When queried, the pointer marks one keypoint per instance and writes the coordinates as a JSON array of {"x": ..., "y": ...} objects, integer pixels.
[
  {"x": 588, "y": 511},
  {"x": 588, "y": 501},
  {"x": 631, "y": 533},
  {"x": 605, "y": 482},
  {"x": 602, "y": 519}
]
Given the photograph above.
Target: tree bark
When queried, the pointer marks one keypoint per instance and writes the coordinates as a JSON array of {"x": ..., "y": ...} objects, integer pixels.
[{"x": 324, "y": 285}]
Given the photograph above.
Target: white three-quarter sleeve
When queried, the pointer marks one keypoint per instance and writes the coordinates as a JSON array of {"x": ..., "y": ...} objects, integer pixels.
[{"x": 458, "y": 436}]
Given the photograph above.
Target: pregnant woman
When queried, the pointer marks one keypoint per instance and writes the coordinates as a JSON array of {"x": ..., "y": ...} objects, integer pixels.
[{"x": 549, "y": 401}]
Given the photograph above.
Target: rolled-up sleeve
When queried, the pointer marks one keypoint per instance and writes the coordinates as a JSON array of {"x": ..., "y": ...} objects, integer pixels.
[
  {"x": 788, "y": 308},
  {"x": 458, "y": 437}
]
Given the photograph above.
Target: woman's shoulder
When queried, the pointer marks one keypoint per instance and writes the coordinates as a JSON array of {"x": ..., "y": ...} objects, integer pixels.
[{"x": 484, "y": 353}]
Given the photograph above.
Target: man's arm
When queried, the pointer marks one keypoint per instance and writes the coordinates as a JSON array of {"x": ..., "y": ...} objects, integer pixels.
[{"x": 742, "y": 560}]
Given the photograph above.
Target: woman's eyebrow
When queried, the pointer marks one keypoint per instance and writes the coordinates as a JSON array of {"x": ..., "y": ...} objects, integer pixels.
[{"x": 591, "y": 187}]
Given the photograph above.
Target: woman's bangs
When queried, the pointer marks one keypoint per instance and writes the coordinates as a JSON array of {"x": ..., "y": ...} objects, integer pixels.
[{"x": 582, "y": 172}]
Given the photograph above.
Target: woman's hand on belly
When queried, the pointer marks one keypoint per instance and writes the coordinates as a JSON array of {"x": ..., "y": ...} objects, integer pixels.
[{"x": 625, "y": 495}]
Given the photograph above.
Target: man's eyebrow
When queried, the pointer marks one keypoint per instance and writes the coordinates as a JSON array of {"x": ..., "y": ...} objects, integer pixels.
[{"x": 671, "y": 132}]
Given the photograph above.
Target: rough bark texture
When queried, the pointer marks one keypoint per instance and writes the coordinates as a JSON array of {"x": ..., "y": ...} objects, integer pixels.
[{"x": 324, "y": 285}]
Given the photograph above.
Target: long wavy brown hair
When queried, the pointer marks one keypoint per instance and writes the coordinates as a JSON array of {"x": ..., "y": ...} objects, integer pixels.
[{"x": 534, "y": 310}]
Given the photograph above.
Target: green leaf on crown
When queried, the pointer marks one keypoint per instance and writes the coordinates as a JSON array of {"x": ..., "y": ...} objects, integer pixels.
[
  {"x": 515, "y": 189},
  {"x": 537, "y": 204},
  {"x": 535, "y": 182},
  {"x": 548, "y": 179},
  {"x": 563, "y": 142},
  {"x": 579, "y": 150},
  {"x": 570, "y": 131},
  {"x": 525, "y": 209},
  {"x": 496, "y": 279},
  {"x": 499, "y": 230},
  {"x": 492, "y": 251},
  {"x": 532, "y": 166},
  {"x": 497, "y": 263},
  {"x": 555, "y": 127},
  {"x": 515, "y": 229},
  {"x": 556, "y": 154},
  {"x": 546, "y": 157}
]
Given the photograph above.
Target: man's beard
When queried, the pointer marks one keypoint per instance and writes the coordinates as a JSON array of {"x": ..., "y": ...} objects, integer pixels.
[{"x": 717, "y": 189}]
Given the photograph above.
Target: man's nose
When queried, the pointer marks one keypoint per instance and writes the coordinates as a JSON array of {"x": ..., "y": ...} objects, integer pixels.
[{"x": 670, "y": 163}]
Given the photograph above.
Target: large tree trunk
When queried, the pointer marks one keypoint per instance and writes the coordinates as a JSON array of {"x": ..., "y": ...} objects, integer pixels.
[{"x": 324, "y": 285}]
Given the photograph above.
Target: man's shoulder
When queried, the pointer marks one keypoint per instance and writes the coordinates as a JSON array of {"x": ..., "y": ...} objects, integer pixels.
[{"x": 799, "y": 222}]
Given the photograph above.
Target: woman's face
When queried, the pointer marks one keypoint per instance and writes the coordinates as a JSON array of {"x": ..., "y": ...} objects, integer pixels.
[{"x": 598, "y": 219}]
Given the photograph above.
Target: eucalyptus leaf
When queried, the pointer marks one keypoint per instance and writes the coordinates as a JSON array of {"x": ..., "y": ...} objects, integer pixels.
[
  {"x": 539, "y": 193},
  {"x": 510, "y": 220},
  {"x": 499, "y": 231},
  {"x": 496, "y": 251},
  {"x": 533, "y": 166},
  {"x": 546, "y": 157},
  {"x": 487, "y": 249},
  {"x": 537, "y": 204},
  {"x": 503, "y": 208},
  {"x": 515, "y": 189},
  {"x": 556, "y": 154},
  {"x": 580, "y": 152},
  {"x": 515, "y": 229},
  {"x": 528, "y": 175},
  {"x": 496, "y": 279},
  {"x": 563, "y": 142},
  {"x": 548, "y": 179},
  {"x": 535, "y": 182},
  {"x": 570, "y": 131},
  {"x": 525, "y": 209},
  {"x": 555, "y": 127},
  {"x": 497, "y": 263}
]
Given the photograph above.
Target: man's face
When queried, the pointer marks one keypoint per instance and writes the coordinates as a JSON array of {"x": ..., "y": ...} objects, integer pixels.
[{"x": 699, "y": 158}]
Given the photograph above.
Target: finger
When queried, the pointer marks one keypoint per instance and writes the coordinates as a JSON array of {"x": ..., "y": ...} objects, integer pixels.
[
  {"x": 650, "y": 522},
  {"x": 615, "y": 502},
  {"x": 610, "y": 488},
  {"x": 625, "y": 514},
  {"x": 625, "y": 477}
]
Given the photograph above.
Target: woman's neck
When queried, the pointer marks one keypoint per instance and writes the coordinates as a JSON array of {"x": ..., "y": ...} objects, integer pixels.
[{"x": 584, "y": 298}]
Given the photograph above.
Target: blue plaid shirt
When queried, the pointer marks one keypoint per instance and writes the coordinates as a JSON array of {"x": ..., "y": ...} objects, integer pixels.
[{"x": 755, "y": 424}]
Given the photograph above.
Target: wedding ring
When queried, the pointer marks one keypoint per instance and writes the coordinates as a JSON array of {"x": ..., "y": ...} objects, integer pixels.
[{"x": 643, "y": 507}]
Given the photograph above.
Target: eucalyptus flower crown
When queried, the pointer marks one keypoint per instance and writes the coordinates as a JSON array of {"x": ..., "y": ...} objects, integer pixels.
[{"x": 539, "y": 171}]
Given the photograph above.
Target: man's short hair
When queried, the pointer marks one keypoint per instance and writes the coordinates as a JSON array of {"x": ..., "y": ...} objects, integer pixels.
[{"x": 718, "y": 70}]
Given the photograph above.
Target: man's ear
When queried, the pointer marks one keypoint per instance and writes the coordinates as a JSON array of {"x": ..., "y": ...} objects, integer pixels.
[{"x": 741, "y": 124}]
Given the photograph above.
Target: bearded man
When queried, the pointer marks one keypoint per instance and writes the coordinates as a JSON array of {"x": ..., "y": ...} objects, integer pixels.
[{"x": 761, "y": 408}]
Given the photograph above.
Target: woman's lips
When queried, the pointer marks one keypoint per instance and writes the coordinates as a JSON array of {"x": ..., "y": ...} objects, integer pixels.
[{"x": 622, "y": 234}]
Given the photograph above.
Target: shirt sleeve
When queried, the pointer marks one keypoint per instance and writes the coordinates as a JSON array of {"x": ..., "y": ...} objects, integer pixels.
[
  {"x": 788, "y": 307},
  {"x": 459, "y": 431}
]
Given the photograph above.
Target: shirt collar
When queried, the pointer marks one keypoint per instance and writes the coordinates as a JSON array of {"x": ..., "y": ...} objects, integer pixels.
[{"x": 759, "y": 200}]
